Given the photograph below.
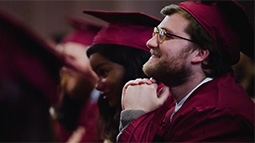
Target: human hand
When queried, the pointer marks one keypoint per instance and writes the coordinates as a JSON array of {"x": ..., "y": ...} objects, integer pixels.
[
  {"x": 77, "y": 135},
  {"x": 141, "y": 94}
]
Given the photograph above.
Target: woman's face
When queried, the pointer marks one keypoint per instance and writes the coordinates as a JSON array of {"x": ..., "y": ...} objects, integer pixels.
[{"x": 110, "y": 75}]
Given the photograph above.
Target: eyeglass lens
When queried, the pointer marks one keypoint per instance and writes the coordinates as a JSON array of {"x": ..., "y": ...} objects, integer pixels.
[{"x": 161, "y": 34}]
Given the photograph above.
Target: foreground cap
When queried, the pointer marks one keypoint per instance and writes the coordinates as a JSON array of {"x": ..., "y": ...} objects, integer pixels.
[
  {"x": 84, "y": 31},
  {"x": 26, "y": 57},
  {"x": 227, "y": 23},
  {"x": 132, "y": 29}
]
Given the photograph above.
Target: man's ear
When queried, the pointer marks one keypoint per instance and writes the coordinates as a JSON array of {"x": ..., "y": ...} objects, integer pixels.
[{"x": 200, "y": 55}]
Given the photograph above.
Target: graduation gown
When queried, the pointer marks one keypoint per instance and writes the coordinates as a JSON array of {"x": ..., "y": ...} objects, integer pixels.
[
  {"x": 219, "y": 110},
  {"x": 86, "y": 117}
]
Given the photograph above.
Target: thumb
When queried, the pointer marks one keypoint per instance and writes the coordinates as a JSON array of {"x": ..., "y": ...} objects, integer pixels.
[
  {"x": 163, "y": 94},
  {"x": 122, "y": 99}
]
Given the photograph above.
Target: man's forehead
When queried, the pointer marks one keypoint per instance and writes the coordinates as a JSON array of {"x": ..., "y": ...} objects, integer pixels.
[{"x": 175, "y": 23}]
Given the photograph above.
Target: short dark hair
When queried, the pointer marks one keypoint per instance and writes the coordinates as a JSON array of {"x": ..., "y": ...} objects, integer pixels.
[{"x": 215, "y": 64}]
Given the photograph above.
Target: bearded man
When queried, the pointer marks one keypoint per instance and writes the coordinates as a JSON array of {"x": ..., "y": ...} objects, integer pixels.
[{"x": 192, "y": 51}]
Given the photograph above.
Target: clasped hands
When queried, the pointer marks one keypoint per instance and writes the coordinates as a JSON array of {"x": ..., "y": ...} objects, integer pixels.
[{"x": 141, "y": 94}]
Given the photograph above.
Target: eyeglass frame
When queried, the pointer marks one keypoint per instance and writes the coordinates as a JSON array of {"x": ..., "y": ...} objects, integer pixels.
[{"x": 166, "y": 34}]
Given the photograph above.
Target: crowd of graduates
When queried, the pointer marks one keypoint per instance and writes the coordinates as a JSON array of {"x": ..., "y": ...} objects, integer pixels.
[{"x": 184, "y": 78}]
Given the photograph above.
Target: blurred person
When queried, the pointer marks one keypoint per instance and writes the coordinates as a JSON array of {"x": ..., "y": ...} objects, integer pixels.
[
  {"x": 29, "y": 75},
  {"x": 77, "y": 110},
  {"x": 192, "y": 51},
  {"x": 117, "y": 55},
  {"x": 244, "y": 72}
]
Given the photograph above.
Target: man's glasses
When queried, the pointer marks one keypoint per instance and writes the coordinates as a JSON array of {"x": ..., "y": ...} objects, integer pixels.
[{"x": 162, "y": 35}]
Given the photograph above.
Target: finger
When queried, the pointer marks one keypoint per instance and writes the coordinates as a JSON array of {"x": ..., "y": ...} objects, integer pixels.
[
  {"x": 123, "y": 96},
  {"x": 153, "y": 80},
  {"x": 122, "y": 102},
  {"x": 144, "y": 81},
  {"x": 163, "y": 94},
  {"x": 153, "y": 86},
  {"x": 140, "y": 81},
  {"x": 131, "y": 82},
  {"x": 124, "y": 89}
]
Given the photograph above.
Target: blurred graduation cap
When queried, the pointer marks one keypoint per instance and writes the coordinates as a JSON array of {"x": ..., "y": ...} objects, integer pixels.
[
  {"x": 227, "y": 23},
  {"x": 83, "y": 31},
  {"x": 125, "y": 28},
  {"x": 27, "y": 60}
]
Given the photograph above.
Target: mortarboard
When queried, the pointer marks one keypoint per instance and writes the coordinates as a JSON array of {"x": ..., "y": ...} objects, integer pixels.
[
  {"x": 125, "y": 28},
  {"x": 83, "y": 33},
  {"x": 227, "y": 23},
  {"x": 25, "y": 57}
]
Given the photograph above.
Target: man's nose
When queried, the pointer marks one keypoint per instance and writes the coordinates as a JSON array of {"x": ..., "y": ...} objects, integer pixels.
[{"x": 153, "y": 42}]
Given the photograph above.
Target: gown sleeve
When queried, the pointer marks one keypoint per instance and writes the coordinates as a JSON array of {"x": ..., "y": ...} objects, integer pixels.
[{"x": 145, "y": 127}]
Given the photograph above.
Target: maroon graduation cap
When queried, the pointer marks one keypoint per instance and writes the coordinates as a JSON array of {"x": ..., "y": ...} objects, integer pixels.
[
  {"x": 125, "y": 28},
  {"x": 27, "y": 58},
  {"x": 227, "y": 23},
  {"x": 83, "y": 33}
]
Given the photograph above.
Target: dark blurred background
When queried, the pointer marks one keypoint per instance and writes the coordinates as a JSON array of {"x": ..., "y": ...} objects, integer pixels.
[{"x": 47, "y": 17}]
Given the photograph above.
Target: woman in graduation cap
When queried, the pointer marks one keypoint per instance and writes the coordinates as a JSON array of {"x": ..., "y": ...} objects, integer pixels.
[{"x": 117, "y": 56}]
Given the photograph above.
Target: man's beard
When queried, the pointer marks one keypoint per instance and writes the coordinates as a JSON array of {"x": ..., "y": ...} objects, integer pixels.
[{"x": 172, "y": 72}]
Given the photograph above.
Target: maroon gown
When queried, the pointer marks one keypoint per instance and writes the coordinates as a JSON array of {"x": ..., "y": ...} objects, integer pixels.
[
  {"x": 87, "y": 119},
  {"x": 219, "y": 110}
]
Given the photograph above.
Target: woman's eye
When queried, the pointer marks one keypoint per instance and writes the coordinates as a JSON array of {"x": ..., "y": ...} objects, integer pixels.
[{"x": 102, "y": 73}]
